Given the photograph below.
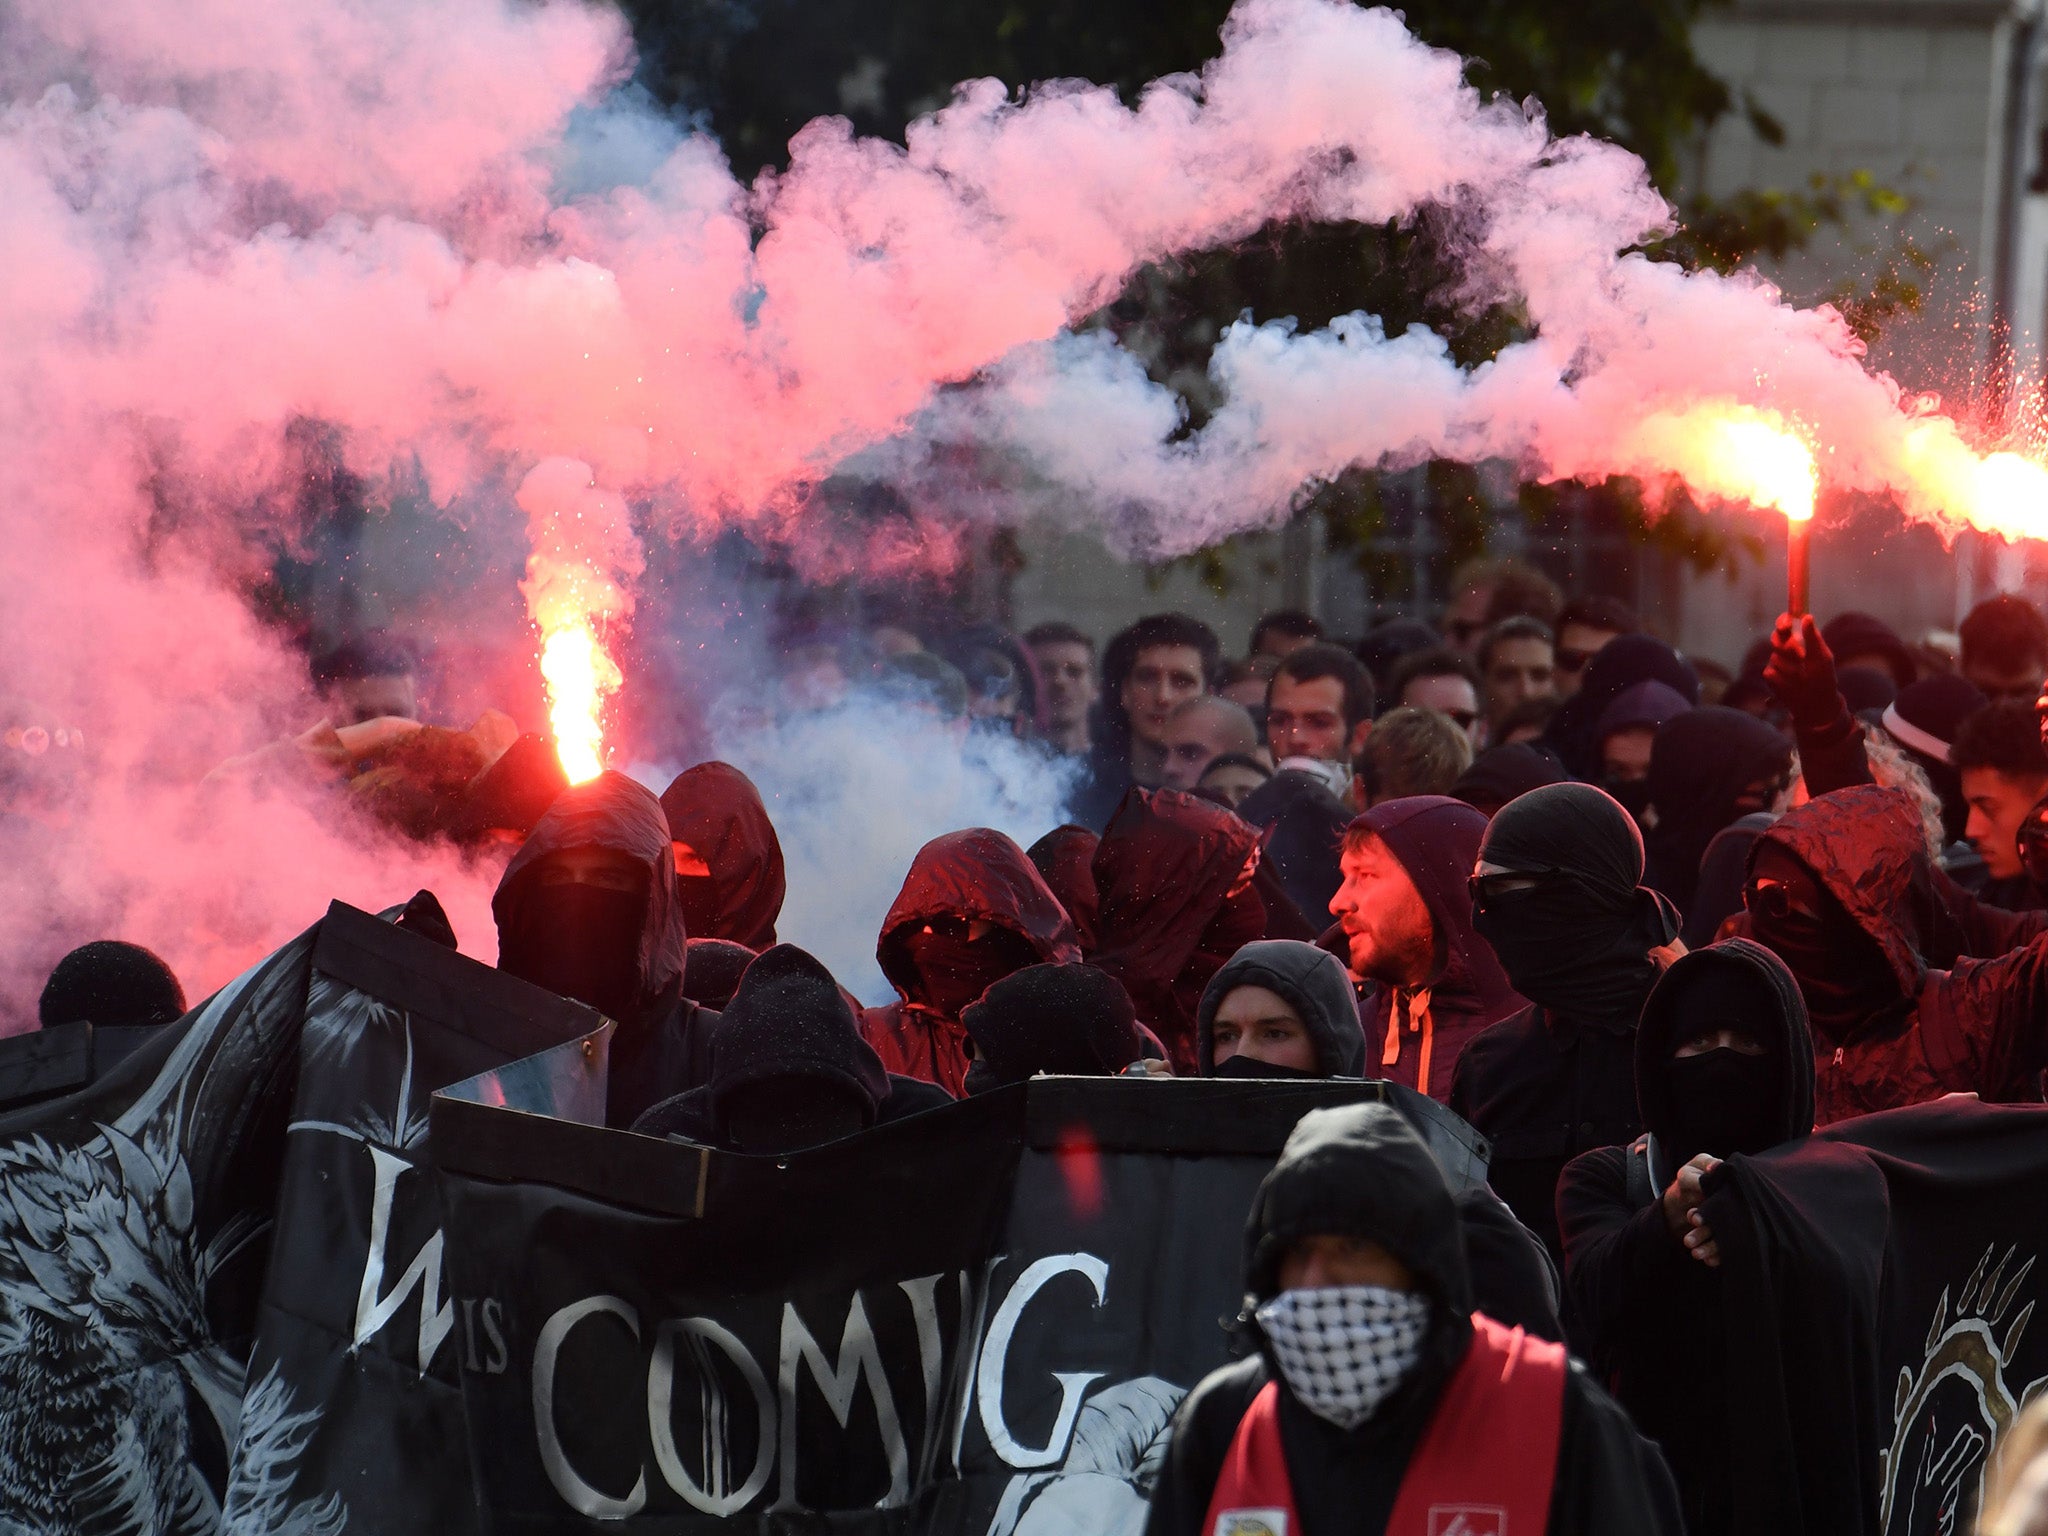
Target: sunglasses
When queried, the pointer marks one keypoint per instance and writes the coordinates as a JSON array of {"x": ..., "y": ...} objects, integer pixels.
[
  {"x": 1486, "y": 889},
  {"x": 1775, "y": 899}
]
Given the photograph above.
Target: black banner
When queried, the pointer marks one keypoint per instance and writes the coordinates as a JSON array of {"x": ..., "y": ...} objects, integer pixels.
[
  {"x": 220, "y": 1280},
  {"x": 978, "y": 1320}
]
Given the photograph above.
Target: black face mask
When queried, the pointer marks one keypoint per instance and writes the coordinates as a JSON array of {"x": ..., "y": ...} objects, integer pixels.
[
  {"x": 1842, "y": 974},
  {"x": 583, "y": 942},
  {"x": 1250, "y": 1067},
  {"x": 697, "y": 897},
  {"x": 1634, "y": 795},
  {"x": 953, "y": 972},
  {"x": 1723, "y": 1102},
  {"x": 1571, "y": 950}
]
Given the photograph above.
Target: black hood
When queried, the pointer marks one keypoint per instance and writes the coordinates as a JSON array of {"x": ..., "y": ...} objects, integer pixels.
[
  {"x": 1315, "y": 985},
  {"x": 1068, "y": 1020},
  {"x": 1304, "y": 825},
  {"x": 789, "y": 1019}
]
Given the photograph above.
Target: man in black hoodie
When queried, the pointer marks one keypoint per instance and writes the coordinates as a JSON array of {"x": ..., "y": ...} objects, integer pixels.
[
  {"x": 1558, "y": 894},
  {"x": 1378, "y": 1399},
  {"x": 1724, "y": 1065},
  {"x": 789, "y": 1069},
  {"x": 1280, "y": 1008},
  {"x": 588, "y": 909}
]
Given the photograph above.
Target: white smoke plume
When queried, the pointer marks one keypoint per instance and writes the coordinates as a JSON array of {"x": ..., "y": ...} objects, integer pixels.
[{"x": 454, "y": 234}]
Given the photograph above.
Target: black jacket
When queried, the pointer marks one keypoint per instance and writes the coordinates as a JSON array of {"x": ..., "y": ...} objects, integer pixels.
[{"x": 1361, "y": 1171}]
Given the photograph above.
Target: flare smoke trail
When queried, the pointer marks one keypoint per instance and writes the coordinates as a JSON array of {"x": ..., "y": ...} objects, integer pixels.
[{"x": 449, "y": 232}]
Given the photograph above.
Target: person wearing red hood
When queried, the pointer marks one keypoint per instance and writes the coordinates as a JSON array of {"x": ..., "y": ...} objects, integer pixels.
[
  {"x": 728, "y": 860},
  {"x": 1841, "y": 889},
  {"x": 588, "y": 909},
  {"x": 1066, "y": 857},
  {"x": 1406, "y": 910},
  {"x": 1177, "y": 877},
  {"x": 972, "y": 910}
]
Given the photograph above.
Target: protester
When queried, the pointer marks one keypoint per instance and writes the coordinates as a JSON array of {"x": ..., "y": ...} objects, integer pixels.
[
  {"x": 1708, "y": 767},
  {"x": 371, "y": 677},
  {"x": 789, "y": 1069},
  {"x": 1303, "y": 823},
  {"x": 1411, "y": 752},
  {"x": 2003, "y": 773},
  {"x": 1066, "y": 670},
  {"x": 1067, "y": 1020},
  {"x": 1244, "y": 682},
  {"x": 1558, "y": 895},
  {"x": 1280, "y": 633},
  {"x": 972, "y": 911},
  {"x": 1386, "y": 643},
  {"x": 1584, "y": 627},
  {"x": 1574, "y": 736},
  {"x": 1176, "y": 877},
  {"x": 927, "y": 684},
  {"x": 1065, "y": 859},
  {"x": 1003, "y": 690},
  {"x": 589, "y": 909},
  {"x": 1232, "y": 778},
  {"x": 1859, "y": 640},
  {"x": 1406, "y": 912},
  {"x": 1924, "y": 721},
  {"x": 1280, "y": 1008},
  {"x": 1528, "y": 722},
  {"x": 712, "y": 969},
  {"x": 1377, "y": 1394},
  {"x": 113, "y": 984},
  {"x": 1866, "y": 690},
  {"x": 1489, "y": 589},
  {"x": 1627, "y": 733},
  {"x": 1724, "y": 1065},
  {"x": 1445, "y": 681},
  {"x": 1499, "y": 774},
  {"x": 1841, "y": 889},
  {"x": 729, "y": 872},
  {"x": 1147, "y": 669},
  {"x": 1518, "y": 660},
  {"x": 1319, "y": 710},
  {"x": 1199, "y": 731},
  {"x": 2005, "y": 648}
]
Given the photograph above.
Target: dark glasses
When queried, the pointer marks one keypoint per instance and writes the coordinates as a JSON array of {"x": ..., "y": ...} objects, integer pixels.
[
  {"x": 1775, "y": 899},
  {"x": 1486, "y": 889}
]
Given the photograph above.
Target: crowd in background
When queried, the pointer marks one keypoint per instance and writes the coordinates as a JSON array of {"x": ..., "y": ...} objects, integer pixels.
[{"x": 1628, "y": 912}]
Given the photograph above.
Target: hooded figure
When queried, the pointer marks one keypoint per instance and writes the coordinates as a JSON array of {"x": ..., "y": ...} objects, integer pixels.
[
  {"x": 1626, "y": 660},
  {"x": 728, "y": 859},
  {"x": 972, "y": 910},
  {"x": 587, "y": 908},
  {"x": 1724, "y": 867},
  {"x": 1499, "y": 774},
  {"x": 1175, "y": 875},
  {"x": 1708, "y": 767},
  {"x": 1065, "y": 856},
  {"x": 1415, "y": 1034},
  {"x": 1303, "y": 823},
  {"x": 1067, "y": 1020},
  {"x": 1313, "y": 984},
  {"x": 113, "y": 984},
  {"x": 1841, "y": 890},
  {"x": 789, "y": 1068},
  {"x": 1724, "y": 1066},
  {"x": 1560, "y": 901},
  {"x": 712, "y": 970},
  {"x": 1369, "y": 1400}
]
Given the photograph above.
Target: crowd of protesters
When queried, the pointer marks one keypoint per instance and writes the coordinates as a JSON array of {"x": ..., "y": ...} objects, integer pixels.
[{"x": 1626, "y": 912}]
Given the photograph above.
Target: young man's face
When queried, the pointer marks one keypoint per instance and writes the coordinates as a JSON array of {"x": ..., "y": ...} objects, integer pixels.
[
  {"x": 1194, "y": 739},
  {"x": 1161, "y": 677},
  {"x": 1261, "y": 1025},
  {"x": 1067, "y": 670},
  {"x": 2002, "y": 679},
  {"x": 1577, "y": 645},
  {"x": 1306, "y": 719},
  {"x": 1386, "y": 923},
  {"x": 1518, "y": 670},
  {"x": 1999, "y": 802}
]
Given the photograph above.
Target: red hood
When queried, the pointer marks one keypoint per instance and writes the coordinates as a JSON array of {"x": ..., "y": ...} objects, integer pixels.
[
  {"x": 976, "y": 874},
  {"x": 717, "y": 810},
  {"x": 1165, "y": 864}
]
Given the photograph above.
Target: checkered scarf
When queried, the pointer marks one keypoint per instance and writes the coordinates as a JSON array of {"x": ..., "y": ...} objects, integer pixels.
[{"x": 1343, "y": 1350}]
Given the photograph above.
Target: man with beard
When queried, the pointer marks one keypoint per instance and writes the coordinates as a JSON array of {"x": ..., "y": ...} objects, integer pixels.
[
  {"x": 588, "y": 908},
  {"x": 1406, "y": 911},
  {"x": 1558, "y": 894},
  {"x": 972, "y": 910},
  {"x": 1378, "y": 1399},
  {"x": 729, "y": 874},
  {"x": 1724, "y": 1066},
  {"x": 1841, "y": 890}
]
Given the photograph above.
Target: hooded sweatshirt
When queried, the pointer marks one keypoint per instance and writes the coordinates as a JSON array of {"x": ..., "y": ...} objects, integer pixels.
[
  {"x": 1314, "y": 985},
  {"x": 1360, "y": 1171},
  {"x": 1436, "y": 840},
  {"x": 1304, "y": 825},
  {"x": 1584, "y": 946},
  {"x": 619, "y": 952},
  {"x": 1573, "y": 733},
  {"x": 1065, "y": 856},
  {"x": 977, "y": 875},
  {"x": 1629, "y": 1278},
  {"x": 1888, "y": 1028},
  {"x": 1702, "y": 763},
  {"x": 787, "y": 1022},
  {"x": 716, "y": 810},
  {"x": 1176, "y": 904},
  {"x": 1067, "y": 1020}
]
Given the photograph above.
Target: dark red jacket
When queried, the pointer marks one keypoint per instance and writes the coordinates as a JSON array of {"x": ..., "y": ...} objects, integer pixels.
[
  {"x": 1436, "y": 840},
  {"x": 1164, "y": 874},
  {"x": 977, "y": 874},
  {"x": 1980, "y": 1026}
]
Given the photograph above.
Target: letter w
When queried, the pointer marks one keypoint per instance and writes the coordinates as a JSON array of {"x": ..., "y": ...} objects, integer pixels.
[{"x": 437, "y": 1317}]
